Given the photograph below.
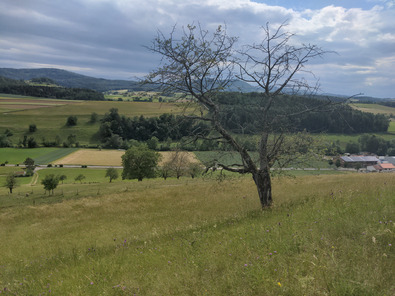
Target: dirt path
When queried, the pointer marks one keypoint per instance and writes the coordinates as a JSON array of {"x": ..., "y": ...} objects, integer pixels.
[{"x": 35, "y": 176}]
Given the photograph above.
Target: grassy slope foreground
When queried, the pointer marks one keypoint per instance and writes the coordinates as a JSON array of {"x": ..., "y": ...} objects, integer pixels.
[{"x": 326, "y": 235}]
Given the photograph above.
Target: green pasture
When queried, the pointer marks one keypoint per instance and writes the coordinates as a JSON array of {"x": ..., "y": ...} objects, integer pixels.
[
  {"x": 40, "y": 155},
  {"x": 92, "y": 175},
  {"x": 391, "y": 128},
  {"x": 50, "y": 121},
  {"x": 325, "y": 235},
  {"x": 232, "y": 157},
  {"x": 374, "y": 108},
  {"x": 4, "y": 171}
]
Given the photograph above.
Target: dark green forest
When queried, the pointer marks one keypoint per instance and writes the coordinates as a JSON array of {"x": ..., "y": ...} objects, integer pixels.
[
  {"x": 19, "y": 87},
  {"x": 242, "y": 114}
]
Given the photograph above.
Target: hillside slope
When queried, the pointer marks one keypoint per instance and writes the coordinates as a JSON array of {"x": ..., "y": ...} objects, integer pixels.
[{"x": 71, "y": 79}]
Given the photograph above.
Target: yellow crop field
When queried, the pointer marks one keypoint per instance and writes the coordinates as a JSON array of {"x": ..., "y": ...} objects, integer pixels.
[
  {"x": 109, "y": 157},
  {"x": 93, "y": 157},
  {"x": 189, "y": 156}
]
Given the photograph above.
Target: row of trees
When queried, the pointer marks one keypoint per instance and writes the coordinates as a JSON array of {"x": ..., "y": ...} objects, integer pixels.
[
  {"x": 115, "y": 129},
  {"x": 140, "y": 162},
  {"x": 372, "y": 144}
]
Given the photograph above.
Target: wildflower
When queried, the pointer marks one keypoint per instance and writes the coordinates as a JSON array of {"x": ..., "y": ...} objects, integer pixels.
[
  {"x": 390, "y": 245},
  {"x": 246, "y": 265},
  {"x": 279, "y": 284},
  {"x": 91, "y": 283},
  {"x": 270, "y": 254}
]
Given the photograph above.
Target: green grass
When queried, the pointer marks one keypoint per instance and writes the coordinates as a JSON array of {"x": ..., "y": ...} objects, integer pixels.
[
  {"x": 54, "y": 155},
  {"x": 391, "y": 128},
  {"x": 232, "y": 157},
  {"x": 50, "y": 121},
  {"x": 40, "y": 155},
  {"x": 92, "y": 175},
  {"x": 18, "y": 156},
  {"x": 325, "y": 235},
  {"x": 374, "y": 108}
]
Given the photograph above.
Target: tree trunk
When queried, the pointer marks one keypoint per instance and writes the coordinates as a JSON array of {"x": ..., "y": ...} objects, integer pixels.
[
  {"x": 264, "y": 186},
  {"x": 10, "y": 190}
]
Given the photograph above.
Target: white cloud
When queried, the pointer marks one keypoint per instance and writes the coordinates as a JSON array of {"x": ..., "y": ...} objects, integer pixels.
[{"x": 106, "y": 36}]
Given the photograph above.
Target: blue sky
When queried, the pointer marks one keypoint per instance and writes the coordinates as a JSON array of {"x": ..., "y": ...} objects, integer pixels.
[{"x": 106, "y": 38}]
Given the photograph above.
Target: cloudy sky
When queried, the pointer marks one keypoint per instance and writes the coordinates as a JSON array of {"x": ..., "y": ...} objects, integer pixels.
[{"x": 106, "y": 38}]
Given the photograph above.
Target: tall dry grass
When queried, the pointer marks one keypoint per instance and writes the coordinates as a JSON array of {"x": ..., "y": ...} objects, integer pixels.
[{"x": 325, "y": 235}]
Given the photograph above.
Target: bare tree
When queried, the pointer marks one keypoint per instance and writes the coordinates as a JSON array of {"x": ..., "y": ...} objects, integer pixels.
[
  {"x": 178, "y": 163},
  {"x": 200, "y": 65}
]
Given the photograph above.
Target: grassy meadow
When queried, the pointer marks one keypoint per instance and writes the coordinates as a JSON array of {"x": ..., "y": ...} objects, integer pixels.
[
  {"x": 374, "y": 108},
  {"x": 51, "y": 119},
  {"x": 40, "y": 155},
  {"x": 325, "y": 235}
]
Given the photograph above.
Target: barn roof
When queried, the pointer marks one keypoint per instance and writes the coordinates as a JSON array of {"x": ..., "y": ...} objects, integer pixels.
[
  {"x": 387, "y": 166},
  {"x": 357, "y": 158}
]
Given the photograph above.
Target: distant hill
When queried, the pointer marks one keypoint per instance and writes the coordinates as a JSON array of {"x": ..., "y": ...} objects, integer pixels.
[{"x": 71, "y": 79}]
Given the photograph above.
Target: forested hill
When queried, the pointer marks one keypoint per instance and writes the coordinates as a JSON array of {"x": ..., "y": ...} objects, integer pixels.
[
  {"x": 47, "y": 90},
  {"x": 242, "y": 113},
  {"x": 70, "y": 79}
]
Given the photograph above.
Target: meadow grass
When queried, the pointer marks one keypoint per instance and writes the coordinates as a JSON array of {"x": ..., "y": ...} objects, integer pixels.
[
  {"x": 232, "y": 157},
  {"x": 325, "y": 235},
  {"x": 391, "y": 128},
  {"x": 374, "y": 108},
  {"x": 50, "y": 121},
  {"x": 40, "y": 155}
]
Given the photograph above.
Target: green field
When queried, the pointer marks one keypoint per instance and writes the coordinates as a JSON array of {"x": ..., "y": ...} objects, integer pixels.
[
  {"x": 50, "y": 121},
  {"x": 325, "y": 235},
  {"x": 391, "y": 128},
  {"x": 40, "y": 155},
  {"x": 374, "y": 108}
]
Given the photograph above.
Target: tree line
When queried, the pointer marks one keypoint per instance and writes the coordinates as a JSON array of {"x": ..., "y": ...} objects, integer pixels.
[
  {"x": 115, "y": 129},
  {"x": 19, "y": 87},
  {"x": 238, "y": 114}
]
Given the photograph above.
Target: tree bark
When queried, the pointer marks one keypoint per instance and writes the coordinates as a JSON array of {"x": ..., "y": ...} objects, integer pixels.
[{"x": 263, "y": 184}]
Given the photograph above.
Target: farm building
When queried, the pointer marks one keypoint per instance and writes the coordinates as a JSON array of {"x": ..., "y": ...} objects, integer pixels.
[
  {"x": 384, "y": 167},
  {"x": 387, "y": 159},
  {"x": 358, "y": 161}
]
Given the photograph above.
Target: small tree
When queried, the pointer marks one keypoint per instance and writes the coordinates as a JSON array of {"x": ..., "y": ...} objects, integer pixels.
[
  {"x": 94, "y": 117},
  {"x": 32, "y": 128},
  {"x": 80, "y": 177},
  {"x": 139, "y": 162},
  {"x": 31, "y": 142},
  {"x": 112, "y": 173},
  {"x": 62, "y": 178},
  {"x": 165, "y": 171},
  {"x": 194, "y": 169},
  {"x": 153, "y": 143},
  {"x": 50, "y": 182},
  {"x": 10, "y": 182},
  {"x": 71, "y": 120},
  {"x": 29, "y": 163},
  {"x": 178, "y": 163}
]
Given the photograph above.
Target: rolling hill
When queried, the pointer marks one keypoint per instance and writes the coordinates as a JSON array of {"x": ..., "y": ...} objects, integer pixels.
[{"x": 71, "y": 79}]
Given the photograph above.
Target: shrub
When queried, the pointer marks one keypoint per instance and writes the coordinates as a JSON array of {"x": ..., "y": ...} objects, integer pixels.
[
  {"x": 71, "y": 120},
  {"x": 32, "y": 128}
]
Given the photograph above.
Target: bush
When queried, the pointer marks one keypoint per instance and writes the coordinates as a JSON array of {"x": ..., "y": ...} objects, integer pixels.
[
  {"x": 32, "y": 128},
  {"x": 71, "y": 120}
]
